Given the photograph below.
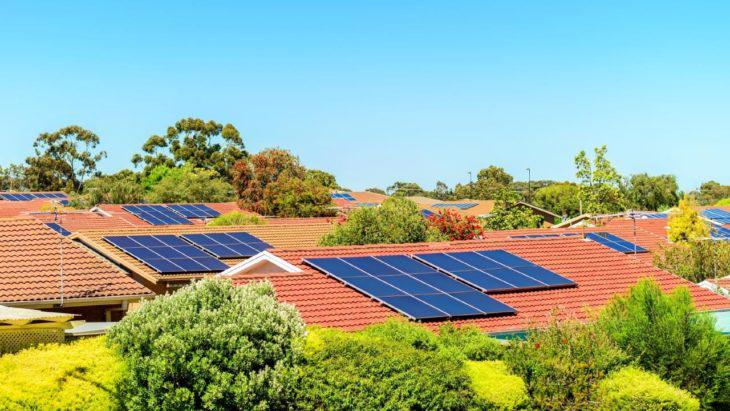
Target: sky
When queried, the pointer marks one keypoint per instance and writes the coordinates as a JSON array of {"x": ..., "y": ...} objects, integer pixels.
[{"x": 379, "y": 91}]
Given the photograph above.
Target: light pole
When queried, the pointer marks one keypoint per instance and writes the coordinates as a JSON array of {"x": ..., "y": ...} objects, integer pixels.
[{"x": 529, "y": 183}]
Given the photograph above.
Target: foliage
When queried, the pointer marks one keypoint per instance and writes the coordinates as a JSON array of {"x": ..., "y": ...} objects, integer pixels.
[
  {"x": 210, "y": 345},
  {"x": 405, "y": 189},
  {"x": 120, "y": 188},
  {"x": 562, "y": 363},
  {"x": 527, "y": 189},
  {"x": 273, "y": 182},
  {"x": 561, "y": 198},
  {"x": 75, "y": 376},
  {"x": 455, "y": 226},
  {"x": 724, "y": 202},
  {"x": 63, "y": 159},
  {"x": 237, "y": 218},
  {"x": 509, "y": 215},
  {"x": 686, "y": 224},
  {"x": 375, "y": 190},
  {"x": 207, "y": 145},
  {"x": 599, "y": 183},
  {"x": 695, "y": 260},
  {"x": 322, "y": 178},
  {"x": 712, "y": 192},
  {"x": 666, "y": 335},
  {"x": 190, "y": 185},
  {"x": 396, "y": 221},
  {"x": 469, "y": 342},
  {"x": 490, "y": 182},
  {"x": 345, "y": 371},
  {"x": 645, "y": 192},
  {"x": 631, "y": 388},
  {"x": 494, "y": 387},
  {"x": 441, "y": 192},
  {"x": 12, "y": 178}
]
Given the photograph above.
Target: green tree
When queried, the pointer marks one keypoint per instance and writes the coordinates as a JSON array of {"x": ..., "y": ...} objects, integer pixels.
[
  {"x": 645, "y": 192},
  {"x": 405, "y": 189},
  {"x": 396, "y": 221},
  {"x": 293, "y": 197},
  {"x": 490, "y": 182},
  {"x": 560, "y": 198},
  {"x": 527, "y": 189},
  {"x": 322, "y": 178},
  {"x": 599, "y": 183},
  {"x": 12, "y": 178},
  {"x": 122, "y": 187},
  {"x": 441, "y": 192},
  {"x": 686, "y": 224},
  {"x": 509, "y": 215},
  {"x": 190, "y": 185},
  {"x": 203, "y": 144},
  {"x": 210, "y": 346},
  {"x": 63, "y": 159},
  {"x": 695, "y": 260},
  {"x": 712, "y": 192},
  {"x": 666, "y": 335},
  {"x": 375, "y": 190}
]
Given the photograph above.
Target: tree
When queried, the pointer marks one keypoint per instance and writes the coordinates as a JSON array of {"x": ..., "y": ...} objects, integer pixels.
[
  {"x": 509, "y": 215},
  {"x": 63, "y": 159},
  {"x": 695, "y": 260},
  {"x": 712, "y": 192},
  {"x": 665, "y": 334},
  {"x": 122, "y": 187},
  {"x": 210, "y": 345},
  {"x": 560, "y": 198},
  {"x": 273, "y": 182},
  {"x": 12, "y": 178},
  {"x": 323, "y": 178},
  {"x": 527, "y": 189},
  {"x": 686, "y": 224},
  {"x": 190, "y": 185},
  {"x": 375, "y": 190},
  {"x": 455, "y": 226},
  {"x": 405, "y": 189},
  {"x": 441, "y": 192},
  {"x": 396, "y": 221},
  {"x": 202, "y": 144},
  {"x": 645, "y": 192},
  {"x": 490, "y": 181},
  {"x": 599, "y": 183}
]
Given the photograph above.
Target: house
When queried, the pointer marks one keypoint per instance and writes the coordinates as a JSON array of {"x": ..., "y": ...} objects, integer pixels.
[
  {"x": 40, "y": 269},
  {"x": 594, "y": 271}
]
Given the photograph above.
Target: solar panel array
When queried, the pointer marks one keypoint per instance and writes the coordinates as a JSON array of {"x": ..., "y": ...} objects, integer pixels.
[
  {"x": 31, "y": 196},
  {"x": 615, "y": 242},
  {"x": 494, "y": 270},
  {"x": 426, "y": 213},
  {"x": 57, "y": 228},
  {"x": 720, "y": 233},
  {"x": 367, "y": 204},
  {"x": 167, "y": 254},
  {"x": 409, "y": 287},
  {"x": 194, "y": 210},
  {"x": 552, "y": 235},
  {"x": 461, "y": 206},
  {"x": 650, "y": 216},
  {"x": 717, "y": 215},
  {"x": 344, "y": 196},
  {"x": 156, "y": 214},
  {"x": 228, "y": 245}
]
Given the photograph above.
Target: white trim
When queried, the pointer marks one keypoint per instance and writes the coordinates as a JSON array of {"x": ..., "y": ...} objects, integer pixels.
[{"x": 258, "y": 259}]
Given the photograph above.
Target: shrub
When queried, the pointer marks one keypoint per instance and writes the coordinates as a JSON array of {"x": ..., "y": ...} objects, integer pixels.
[
  {"x": 666, "y": 335},
  {"x": 494, "y": 387},
  {"x": 237, "y": 218},
  {"x": 562, "y": 363},
  {"x": 633, "y": 389},
  {"x": 723, "y": 202},
  {"x": 210, "y": 345},
  {"x": 79, "y": 375},
  {"x": 455, "y": 226},
  {"x": 403, "y": 332},
  {"x": 470, "y": 342},
  {"x": 687, "y": 224},
  {"x": 355, "y": 371},
  {"x": 695, "y": 260}
]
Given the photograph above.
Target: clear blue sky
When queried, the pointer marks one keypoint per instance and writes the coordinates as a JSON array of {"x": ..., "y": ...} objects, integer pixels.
[{"x": 376, "y": 92}]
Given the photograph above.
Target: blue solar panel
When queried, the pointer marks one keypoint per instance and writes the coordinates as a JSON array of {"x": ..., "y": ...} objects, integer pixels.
[
  {"x": 523, "y": 236},
  {"x": 229, "y": 245},
  {"x": 615, "y": 242},
  {"x": 344, "y": 196},
  {"x": 194, "y": 210},
  {"x": 721, "y": 233},
  {"x": 494, "y": 270},
  {"x": 427, "y": 213},
  {"x": 717, "y": 215},
  {"x": 461, "y": 206},
  {"x": 57, "y": 228},
  {"x": 410, "y": 287},
  {"x": 167, "y": 253},
  {"x": 156, "y": 214}
]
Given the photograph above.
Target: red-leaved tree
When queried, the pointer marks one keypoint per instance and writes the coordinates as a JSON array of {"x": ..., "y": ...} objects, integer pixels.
[{"x": 456, "y": 226}]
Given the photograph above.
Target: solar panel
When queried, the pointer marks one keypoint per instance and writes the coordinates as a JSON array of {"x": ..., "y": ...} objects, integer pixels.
[
  {"x": 410, "y": 287},
  {"x": 717, "y": 214},
  {"x": 228, "y": 245},
  {"x": 615, "y": 242},
  {"x": 57, "y": 228},
  {"x": 650, "y": 216},
  {"x": 427, "y": 213},
  {"x": 167, "y": 253},
  {"x": 721, "y": 233},
  {"x": 156, "y": 214},
  {"x": 552, "y": 235},
  {"x": 494, "y": 270},
  {"x": 344, "y": 196},
  {"x": 461, "y": 206},
  {"x": 194, "y": 210}
]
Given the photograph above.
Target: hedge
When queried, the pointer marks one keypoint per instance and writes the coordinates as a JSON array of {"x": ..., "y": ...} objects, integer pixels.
[
  {"x": 495, "y": 387},
  {"x": 79, "y": 375},
  {"x": 633, "y": 389}
]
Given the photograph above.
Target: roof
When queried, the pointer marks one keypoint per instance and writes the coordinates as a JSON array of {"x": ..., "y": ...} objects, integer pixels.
[
  {"x": 19, "y": 208},
  {"x": 280, "y": 235},
  {"x": 83, "y": 220},
  {"x": 117, "y": 211},
  {"x": 32, "y": 258},
  {"x": 23, "y": 316},
  {"x": 482, "y": 207},
  {"x": 598, "y": 271}
]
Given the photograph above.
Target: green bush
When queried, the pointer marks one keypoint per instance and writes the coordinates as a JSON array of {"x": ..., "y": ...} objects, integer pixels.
[
  {"x": 723, "y": 202},
  {"x": 633, "y": 389},
  {"x": 75, "y": 376},
  {"x": 470, "y": 342},
  {"x": 345, "y": 371},
  {"x": 210, "y": 345},
  {"x": 494, "y": 387},
  {"x": 237, "y": 218},
  {"x": 666, "y": 335},
  {"x": 562, "y": 363}
]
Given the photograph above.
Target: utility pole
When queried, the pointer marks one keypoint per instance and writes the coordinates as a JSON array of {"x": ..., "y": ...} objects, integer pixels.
[{"x": 529, "y": 184}]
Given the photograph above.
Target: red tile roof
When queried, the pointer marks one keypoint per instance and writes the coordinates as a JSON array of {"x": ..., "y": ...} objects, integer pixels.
[
  {"x": 599, "y": 272},
  {"x": 116, "y": 210},
  {"x": 83, "y": 220},
  {"x": 19, "y": 208},
  {"x": 31, "y": 257}
]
